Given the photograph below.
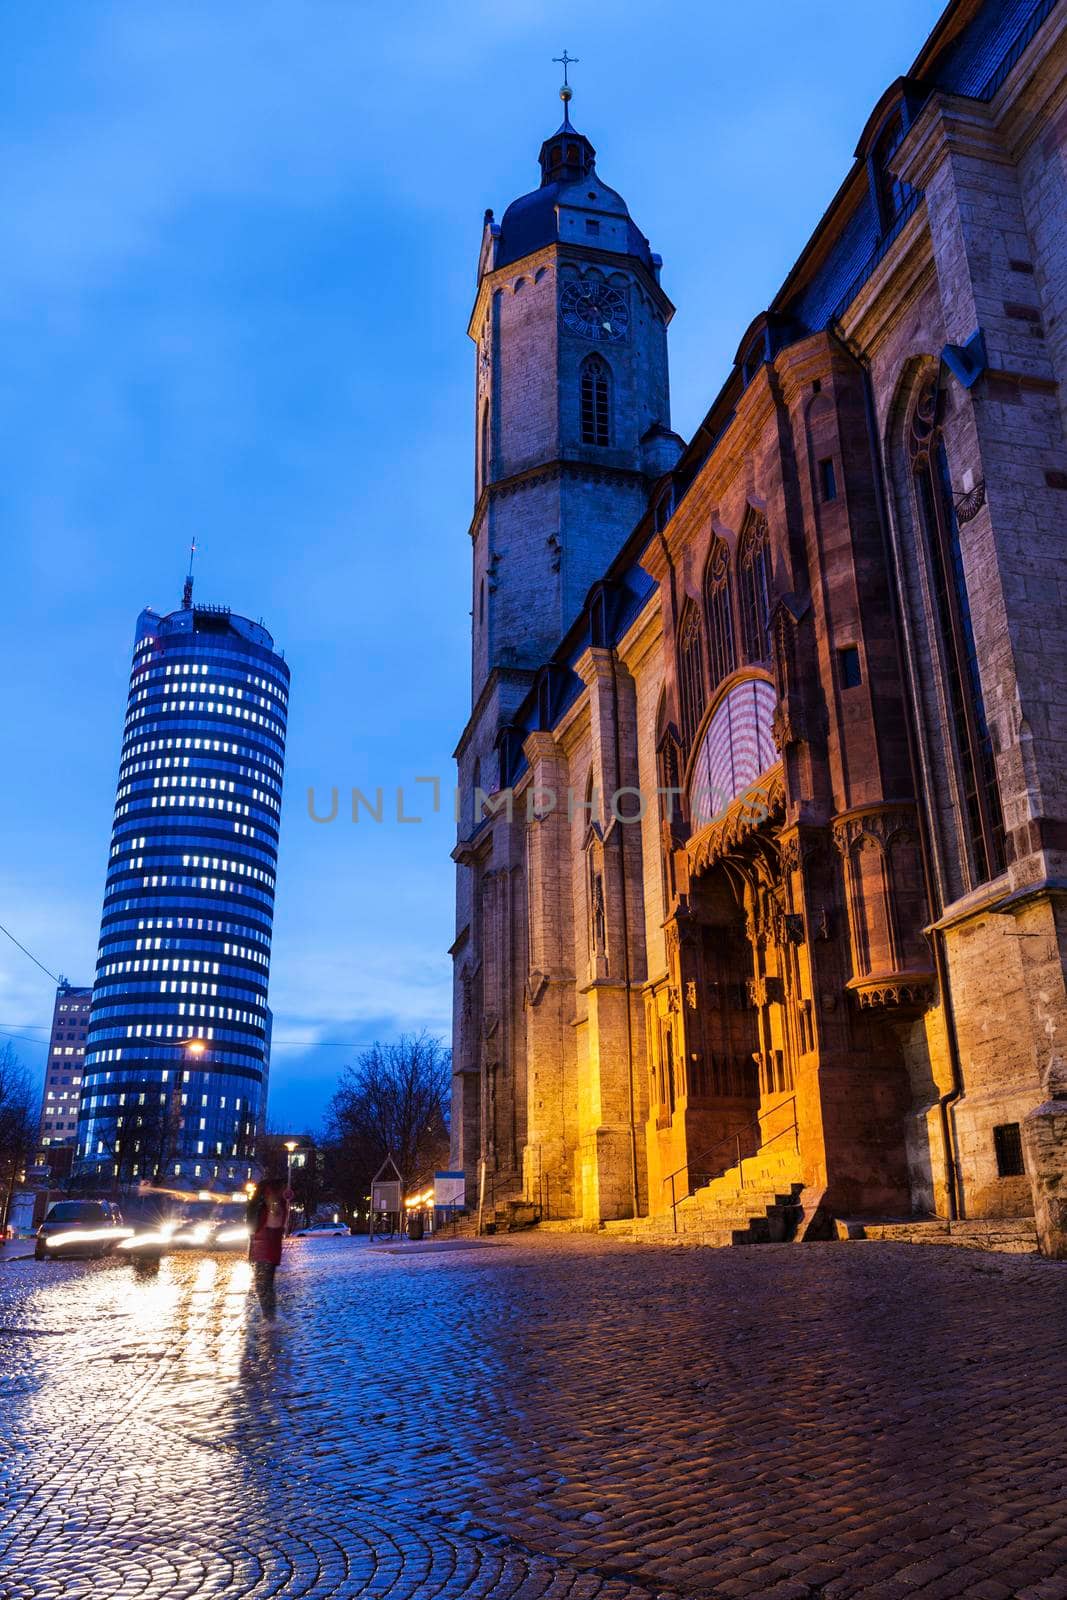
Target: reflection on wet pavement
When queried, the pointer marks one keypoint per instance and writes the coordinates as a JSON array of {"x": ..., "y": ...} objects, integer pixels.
[{"x": 564, "y": 1418}]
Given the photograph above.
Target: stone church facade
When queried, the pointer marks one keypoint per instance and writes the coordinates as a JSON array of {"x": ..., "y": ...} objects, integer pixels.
[{"x": 761, "y": 860}]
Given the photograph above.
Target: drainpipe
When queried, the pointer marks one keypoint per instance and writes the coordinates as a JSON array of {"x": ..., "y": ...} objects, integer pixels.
[
  {"x": 627, "y": 971},
  {"x": 947, "y": 1101}
]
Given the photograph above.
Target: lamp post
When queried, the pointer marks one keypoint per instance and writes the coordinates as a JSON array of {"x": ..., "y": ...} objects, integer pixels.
[
  {"x": 188, "y": 1048},
  {"x": 290, "y": 1146}
]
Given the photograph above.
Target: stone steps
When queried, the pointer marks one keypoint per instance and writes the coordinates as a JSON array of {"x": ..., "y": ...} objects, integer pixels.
[
  {"x": 579, "y": 1225},
  {"x": 719, "y": 1218}
]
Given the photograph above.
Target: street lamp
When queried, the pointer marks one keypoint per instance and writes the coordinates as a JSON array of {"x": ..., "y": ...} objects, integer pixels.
[
  {"x": 186, "y": 1048},
  {"x": 290, "y": 1145}
]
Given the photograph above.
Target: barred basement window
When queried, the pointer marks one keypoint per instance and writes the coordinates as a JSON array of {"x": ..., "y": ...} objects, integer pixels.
[
  {"x": 722, "y": 657},
  {"x": 596, "y": 401},
  {"x": 1008, "y": 1145},
  {"x": 983, "y": 819},
  {"x": 755, "y": 590}
]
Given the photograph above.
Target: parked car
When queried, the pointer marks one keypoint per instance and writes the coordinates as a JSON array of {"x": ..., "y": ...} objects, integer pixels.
[
  {"x": 80, "y": 1228},
  {"x": 335, "y": 1230}
]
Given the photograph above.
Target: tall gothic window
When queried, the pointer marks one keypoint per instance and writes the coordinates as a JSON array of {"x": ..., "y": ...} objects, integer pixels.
[
  {"x": 973, "y": 745},
  {"x": 753, "y": 557},
  {"x": 722, "y": 658},
  {"x": 484, "y": 446},
  {"x": 691, "y": 691},
  {"x": 596, "y": 401}
]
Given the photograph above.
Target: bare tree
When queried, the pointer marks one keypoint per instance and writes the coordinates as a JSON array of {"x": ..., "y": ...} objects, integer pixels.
[
  {"x": 135, "y": 1136},
  {"x": 18, "y": 1124},
  {"x": 394, "y": 1100}
]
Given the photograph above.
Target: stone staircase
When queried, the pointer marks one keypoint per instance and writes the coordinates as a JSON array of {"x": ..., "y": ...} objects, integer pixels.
[
  {"x": 505, "y": 1216},
  {"x": 766, "y": 1208}
]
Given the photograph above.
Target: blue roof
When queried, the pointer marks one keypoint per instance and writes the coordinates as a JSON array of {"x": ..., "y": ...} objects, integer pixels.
[
  {"x": 974, "y": 57},
  {"x": 815, "y": 303},
  {"x": 531, "y": 222},
  {"x": 528, "y": 224},
  {"x": 972, "y": 64}
]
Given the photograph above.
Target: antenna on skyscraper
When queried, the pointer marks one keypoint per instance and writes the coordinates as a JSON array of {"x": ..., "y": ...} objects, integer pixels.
[{"x": 187, "y": 592}]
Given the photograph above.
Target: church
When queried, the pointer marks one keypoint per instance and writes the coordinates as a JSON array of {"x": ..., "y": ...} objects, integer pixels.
[{"x": 761, "y": 863}]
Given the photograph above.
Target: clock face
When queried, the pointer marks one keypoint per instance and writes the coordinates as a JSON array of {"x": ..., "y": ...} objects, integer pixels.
[{"x": 595, "y": 310}]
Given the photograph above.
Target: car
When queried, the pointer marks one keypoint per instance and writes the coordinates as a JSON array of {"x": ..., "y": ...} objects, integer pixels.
[
  {"x": 79, "y": 1228},
  {"x": 336, "y": 1230}
]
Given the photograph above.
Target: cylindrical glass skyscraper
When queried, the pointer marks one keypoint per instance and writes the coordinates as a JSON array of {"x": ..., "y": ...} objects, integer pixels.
[{"x": 178, "y": 1041}]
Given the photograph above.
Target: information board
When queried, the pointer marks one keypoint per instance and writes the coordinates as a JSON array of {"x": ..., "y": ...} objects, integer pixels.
[
  {"x": 449, "y": 1188},
  {"x": 385, "y": 1195}
]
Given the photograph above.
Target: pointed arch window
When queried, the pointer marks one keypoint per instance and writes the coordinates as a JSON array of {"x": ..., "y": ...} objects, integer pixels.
[
  {"x": 476, "y": 785},
  {"x": 983, "y": 818},
  {"x": 753, "y": 559},
  {"x": 722, "y": 657},
  {"x": 691, "y": 690},
  {"x": 484, "y": 445},
  {"x": 596, "y": 401}
]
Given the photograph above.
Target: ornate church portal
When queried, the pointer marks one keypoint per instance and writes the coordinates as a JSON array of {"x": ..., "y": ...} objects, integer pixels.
[
  {"x": 761, "y": 1070},
  {"x": 730, "y": 1026}
]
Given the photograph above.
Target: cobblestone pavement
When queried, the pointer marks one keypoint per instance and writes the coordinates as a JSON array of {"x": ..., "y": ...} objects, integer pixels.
[{"x": 564, "y": 1418}]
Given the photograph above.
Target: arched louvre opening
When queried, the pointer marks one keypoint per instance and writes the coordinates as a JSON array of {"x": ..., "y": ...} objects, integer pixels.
[
  {"x": 484, "y": 446},
  {"x": 595, "y": 401},
  {"x": 973, "y": 746},
  {"x": 722, "y": 656},
  {"x": 691, "y": 689},
  {"x": 753, "y": 559}
]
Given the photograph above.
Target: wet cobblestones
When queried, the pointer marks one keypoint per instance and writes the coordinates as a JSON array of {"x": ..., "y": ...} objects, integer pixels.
[{"x": 564, "y": 1418}]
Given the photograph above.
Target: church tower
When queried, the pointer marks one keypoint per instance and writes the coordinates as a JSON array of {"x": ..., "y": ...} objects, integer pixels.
[
  {"x": 572, "y": 400},
  {"x": 572, "y": 429}
]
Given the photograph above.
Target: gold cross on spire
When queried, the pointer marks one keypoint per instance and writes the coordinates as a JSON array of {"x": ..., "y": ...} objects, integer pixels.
[{"x": 566, "y": 61}]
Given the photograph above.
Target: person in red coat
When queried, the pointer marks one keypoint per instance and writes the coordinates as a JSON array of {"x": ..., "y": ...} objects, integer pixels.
[{"x": 267, "y": 1216}]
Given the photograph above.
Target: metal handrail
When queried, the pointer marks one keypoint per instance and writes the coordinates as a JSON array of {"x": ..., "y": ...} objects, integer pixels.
[
  {"x": 761, "y": 1116},
  {"x": 735, "y": 1140},
  {"x": 730, "y": 1138}
]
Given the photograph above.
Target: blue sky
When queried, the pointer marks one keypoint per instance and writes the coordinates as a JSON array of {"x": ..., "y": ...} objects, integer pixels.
[{"x": 239, "y": 261}]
